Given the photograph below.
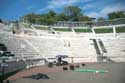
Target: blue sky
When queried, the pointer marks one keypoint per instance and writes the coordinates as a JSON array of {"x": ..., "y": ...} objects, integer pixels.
[{"x": 14, "y": 9}]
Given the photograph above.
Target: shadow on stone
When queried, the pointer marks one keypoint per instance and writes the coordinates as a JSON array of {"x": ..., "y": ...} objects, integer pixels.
[{"x": 38, "y": 76}]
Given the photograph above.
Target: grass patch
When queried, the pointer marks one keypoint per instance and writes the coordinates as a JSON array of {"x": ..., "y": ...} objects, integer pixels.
[
  {"x": 41, "y": 28},
  {"x": 62, "y": 29},
  {"x": 83, "y": 30},
  {"x": 26, "y": 25},
  {"x": 120, "y": 29},
  {"x": 104, "y": 30}
]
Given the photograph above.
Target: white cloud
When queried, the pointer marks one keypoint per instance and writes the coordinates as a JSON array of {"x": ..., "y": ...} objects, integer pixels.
[
  {"x": 106, "y": 10},
  {"x": 113, "y": 8},
  {"x": 56, "y": 4},
  {"x": 93, "y": 14},
  {"x": 60, "y": 3},
  {"x": 87, "y": 6}
]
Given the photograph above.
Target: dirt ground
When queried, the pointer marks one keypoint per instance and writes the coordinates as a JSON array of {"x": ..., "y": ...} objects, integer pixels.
[{"x": 115, "y": 74}]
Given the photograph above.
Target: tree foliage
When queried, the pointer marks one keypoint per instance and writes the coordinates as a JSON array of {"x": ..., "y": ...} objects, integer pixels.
[
  {"x": 115, "y": 15},
  {"x": 84, "y": 18},
  {"x": 62, "y": 17},
  {"x": 70, "y": 13},
  {"x": 46, "y": 19},
  {"x": 73, "y": 12},
  {"x": 100, "y": 19}
]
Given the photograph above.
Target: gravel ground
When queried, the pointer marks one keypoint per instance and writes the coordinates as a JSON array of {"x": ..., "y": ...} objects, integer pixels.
[{"x": 115, "y": 74}]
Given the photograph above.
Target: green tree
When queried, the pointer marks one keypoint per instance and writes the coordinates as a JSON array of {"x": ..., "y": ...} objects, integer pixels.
[
  {"x": 46, "y": 19},
  {"x": 84, "y": 18},
  {"x": 30, "y": 18},
  {"x": 115, "y": 15},
  {"x": 100, "y": 19},
  {"x": 72, "y": 12},
  {"x": 62, "y": 17},
  {"x": 51, "y": 13},
  {"x": 50, "y": 17}
]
